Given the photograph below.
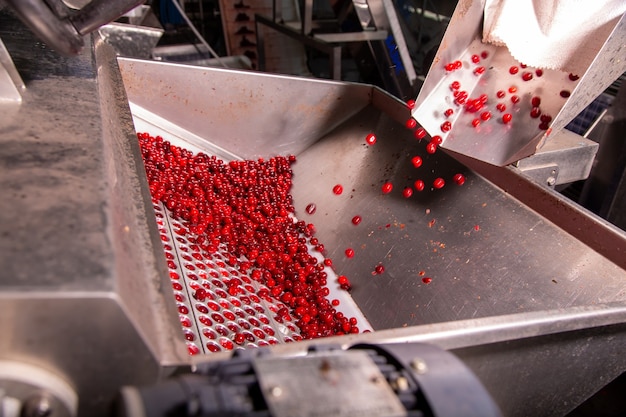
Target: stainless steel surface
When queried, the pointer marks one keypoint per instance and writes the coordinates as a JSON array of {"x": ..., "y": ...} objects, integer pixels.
[
  {"x": 11, "y": 84},
  {"x": 571, "y": 156},
  {"x": 493, "y": 141},
  {"x": 130, "y": 40},
  {"x": 84, "y": 293}
]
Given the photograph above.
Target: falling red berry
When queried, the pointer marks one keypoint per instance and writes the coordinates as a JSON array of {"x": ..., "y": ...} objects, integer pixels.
[
  {"x": 448, "y": 112},
  {"x": 459, "y": 179},
  {"x": 455, "y": 85},
  {"x": 349, "y": 253},
  {"x": 427, "y": 280},
  {"x": 485, "y": 115},
  {"x": 515, "y": 99},
  {"x": 410, "y": 104},
  {"x": 387, "y": 187},
  {"x": 420, "y": 133},
  {"x": 311, "y": 208},
  {"x": 446, "y": 126},
  {"x": 479, "y": 71},
  {"x": 431, "y": 147},
  {"x": 573, "y": 77},
  {"x": 539, "y": 72},
  {"x": 484, "y": 54},
  {"x": 565, "y": 93},
  {"x": 513, "y": 70},
  {"x": 338, "y": 189},
  {"x": 475, "y": 59},
  {"x": 370, "y": 139},
  {"x": 439, "y": 183},
  {"x": 501, "y": 107},
  {"x": 476, "y": 122},
  {"x": 512, "y": 89},
  {"x": 356, "y": 220},
  {"x": 527, "y": 76},
  {"x": 437, "y": 140},
  {"x": 407, "y": 192},
  {"x": 546, "y": 118},
  {"x": 506, "y": 118},
  {"x": 417, "y": 161},
  {"x": 379, "y": 269},
  {"x": 535, "y": 101},
  {"x": 535, "y": 112},
  {"x": 411, "y": 123},
  {"x": 419, "y": 185},
  {"x": 500, "y": 94}
]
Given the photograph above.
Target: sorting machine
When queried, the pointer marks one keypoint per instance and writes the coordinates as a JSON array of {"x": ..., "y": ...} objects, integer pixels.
[{"x": 523, "y": 314}]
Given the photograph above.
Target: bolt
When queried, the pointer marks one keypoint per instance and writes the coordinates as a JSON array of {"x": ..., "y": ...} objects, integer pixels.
[
  {"x": 419, "y": 366},
  {"x": 37, "y": 406},
  {"x": 400, "y": 384},
  {"x": 551, "y": 181},
  {"x": 276, "y": 391}
]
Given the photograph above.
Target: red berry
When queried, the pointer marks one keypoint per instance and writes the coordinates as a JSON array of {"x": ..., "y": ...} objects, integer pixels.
[
  {"x": 420, "y": 133},
  {"x": 539, "y": 72},
  {"x": 513, "y": 70},
  {"x": 356, "y": 220},
  {"x": 501, "y": 107},
  {"x": 419, "y": 185},
  {"x": 535, "y": 112},
  {"x": 546, "y": 118},
  {"x": 479, "y": 71},
  {"x": 446, "y": 126},
  {"x": 349, "y": 253},
  {"x": 448, "y": 112},
  {"x": 387, "y": 187},
  {"x": 515, "y": 99},
  {"x": 410, "y": 104},
  {"x": 431, "y": 148},
  {"x": 455, "y": 85},
  {"x": 379, "y": 269},
  {"x": 535, "y": 101},
  {"x": 485, "y": 115},
  {"x": 459, "y": 179},
  {"x": 427, "y": 280},
  {"x": 476, "y": 122},
  {"x": 407, "y": 192},
  {"x": 500, "y": 94},
  {"x": 338, "y": 189},
  {"x": 439, "y": 183},
  {"x": 475, "y": 59},
  {"x": 411, "y": 123},
  {"x": 544, "y": 126},
  {"x": 449, "y": 67},
  {"x": 416, "y": 161},
  {"x": 573, "y": 77},
  {"x": 512, "y": 89},
  {"x": 437, "y": 140},
  {"x": 506, "y": 118},
  {"x": 527, "y": 76},
  {"x": 458, "y": 64},
  {"x": 477, "y": 227},
  {"x": 370, "y": 139},
  {"x": 565, "y": 93},
  {"x": 522, "y": 65},
  {"x": 310, "y": 209},
  {"x": 342, "y": 280}
]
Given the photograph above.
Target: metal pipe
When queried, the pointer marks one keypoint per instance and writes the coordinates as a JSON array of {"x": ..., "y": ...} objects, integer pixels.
[{"x": 99, "y": 12}]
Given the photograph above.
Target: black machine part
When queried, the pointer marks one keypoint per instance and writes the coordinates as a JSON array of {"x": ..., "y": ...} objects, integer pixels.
[{"x": 411, "y": 379}]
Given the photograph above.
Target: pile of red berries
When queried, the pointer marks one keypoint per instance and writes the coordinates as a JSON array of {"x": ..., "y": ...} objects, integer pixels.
[{"x": 246, "y": 205}]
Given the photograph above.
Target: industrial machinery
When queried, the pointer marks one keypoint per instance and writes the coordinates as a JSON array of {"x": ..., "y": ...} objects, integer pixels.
[{"x": 100, "y": 278}]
